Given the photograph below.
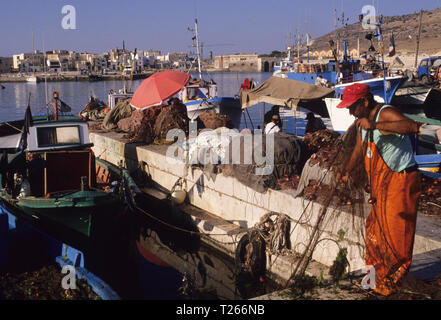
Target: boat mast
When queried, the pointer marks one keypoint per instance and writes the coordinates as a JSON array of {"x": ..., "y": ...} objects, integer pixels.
[
  {"x": 45, "y": 77},
  {"x": 124, "y": 67},
  {"x": 418, "y": 39},
  {"x": 380, "y": 34},
  {"x": 197, "y": 48}
]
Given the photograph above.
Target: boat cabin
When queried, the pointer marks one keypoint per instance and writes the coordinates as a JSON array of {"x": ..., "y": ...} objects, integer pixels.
[
  {"x": 58, "y": 157},
  {"x": 198, "y": 90}
]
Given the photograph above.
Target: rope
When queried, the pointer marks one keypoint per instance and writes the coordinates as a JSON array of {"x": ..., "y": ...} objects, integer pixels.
[
  {"x": 14, "y": 127},
  {"x": 188, "y": 231}
]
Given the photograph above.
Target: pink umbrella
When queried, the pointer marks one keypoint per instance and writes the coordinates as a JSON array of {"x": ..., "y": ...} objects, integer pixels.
[{"x": 157, "y": 88}]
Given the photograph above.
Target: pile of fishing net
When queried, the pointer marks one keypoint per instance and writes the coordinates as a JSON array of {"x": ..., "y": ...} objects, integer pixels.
[
  {"x": 140, "y": 125},
  {"x": 290, "y": 155},
  {"x": 320, "y": 145},
  {"x": 430, "y": 200},
  {"x": 320, "y": 139},
  {"x": 171, "y": 117},
  {"x": 153, "y": 124},
  {"x": 120, "y": 111}
]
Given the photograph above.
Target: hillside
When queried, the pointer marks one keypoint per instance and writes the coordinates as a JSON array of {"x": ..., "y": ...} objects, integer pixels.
[{"x": 404, "y": 28}]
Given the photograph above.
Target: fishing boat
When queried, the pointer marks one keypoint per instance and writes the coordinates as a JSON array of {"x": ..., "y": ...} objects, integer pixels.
[
  {"x": 338, "y": 74},
  {"x": 327, "y": 74},
  {"x": 198, "y": 95},
  {"x": 33, "y": 79},
  {"x": 52, "y": 180},
  {"x": 201, "y": 95}
]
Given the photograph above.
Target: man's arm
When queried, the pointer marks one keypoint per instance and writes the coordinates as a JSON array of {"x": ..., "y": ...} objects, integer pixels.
[
  {"x": 354, "y": 160},
  {"x": 391, "y": 121}
]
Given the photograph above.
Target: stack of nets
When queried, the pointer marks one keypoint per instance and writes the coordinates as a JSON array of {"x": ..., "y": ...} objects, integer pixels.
[
  {"x": 120, "y": 111},
  {"x": 153, "y": 124},
  {"x": 140, "y": 125},
  {"x": 213, "y": 120},
  {"x": 171, "y": 117}
]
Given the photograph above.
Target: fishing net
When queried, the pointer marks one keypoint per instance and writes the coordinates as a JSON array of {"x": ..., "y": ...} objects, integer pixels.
[
  {"x": 120, "y": 111},
  {"x": 140, "y": 125},
  {"x": 213, "y": 120},
  {"x": 379, "y": 199},
  {"x": 171, "y": 117},
  {"x": 317, "y": 184}
]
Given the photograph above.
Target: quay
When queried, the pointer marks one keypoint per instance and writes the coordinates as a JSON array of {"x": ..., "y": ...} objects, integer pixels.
[{"x": 225, "y": 208}]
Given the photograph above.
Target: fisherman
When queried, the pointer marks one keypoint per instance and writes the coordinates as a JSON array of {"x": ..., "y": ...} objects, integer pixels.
[
  {"x": 394, "y": 182},
  {"x": 267, "y": 118},
  {"x": 314, "y": 124},
  {"x": 274, "y": 125}
]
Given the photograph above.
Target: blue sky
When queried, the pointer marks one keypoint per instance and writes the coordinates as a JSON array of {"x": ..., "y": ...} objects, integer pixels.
[{"x": 225, "y": 26}]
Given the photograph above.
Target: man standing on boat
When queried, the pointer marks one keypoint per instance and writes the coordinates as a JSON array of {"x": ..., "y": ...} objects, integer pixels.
[
  {"x": 274, "y": 125},
  {"x": 394, "y": 181}
]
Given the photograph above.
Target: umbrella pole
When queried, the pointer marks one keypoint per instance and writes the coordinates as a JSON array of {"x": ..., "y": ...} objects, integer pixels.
[
  {"x": 294, "y": 114},
  {"x": 263, "y": 117}
]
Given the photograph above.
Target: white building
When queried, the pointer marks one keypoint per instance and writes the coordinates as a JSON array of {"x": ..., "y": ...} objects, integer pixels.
[{"x": 28, "y": 62}]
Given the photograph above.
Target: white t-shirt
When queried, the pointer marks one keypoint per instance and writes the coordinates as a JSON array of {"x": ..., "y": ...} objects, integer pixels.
[{"x": 271, "y": 128}]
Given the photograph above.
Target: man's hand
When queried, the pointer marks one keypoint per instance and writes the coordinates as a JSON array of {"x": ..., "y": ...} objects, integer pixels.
[
  {"x": 342, "y": 178},
  {"x": 366, "y": 124}
]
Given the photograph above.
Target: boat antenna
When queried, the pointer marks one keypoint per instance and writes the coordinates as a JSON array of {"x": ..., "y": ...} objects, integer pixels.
[
  {"x": 380, "y": 38},
  {"x": 45, "y": 77},
  {"x": 131, "y": 72},
  {"x": 29, "y": 100},
  {"x": 123, "y": 68}
]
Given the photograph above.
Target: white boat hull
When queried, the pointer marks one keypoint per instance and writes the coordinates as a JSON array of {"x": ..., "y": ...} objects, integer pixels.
[{"x": 341, "y": 120}]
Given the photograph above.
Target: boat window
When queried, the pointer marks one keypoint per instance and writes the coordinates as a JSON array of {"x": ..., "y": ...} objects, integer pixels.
[
  {"x": 192, "y": 93},
  {"x": 51, "y": 136}
]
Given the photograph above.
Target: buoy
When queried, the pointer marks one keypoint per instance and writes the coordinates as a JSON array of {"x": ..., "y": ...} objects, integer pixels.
[{"x": 178, "y": 197}]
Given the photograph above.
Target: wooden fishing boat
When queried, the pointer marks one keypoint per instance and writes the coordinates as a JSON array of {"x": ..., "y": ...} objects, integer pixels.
[{"x": 51, "y": 179}]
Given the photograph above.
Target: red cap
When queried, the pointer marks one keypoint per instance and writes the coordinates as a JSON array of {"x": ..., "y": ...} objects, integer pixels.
[{"x": 353, "y": 93}]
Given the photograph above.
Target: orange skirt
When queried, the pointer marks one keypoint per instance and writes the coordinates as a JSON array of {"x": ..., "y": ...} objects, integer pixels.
[{"x": 390, "y": 227}]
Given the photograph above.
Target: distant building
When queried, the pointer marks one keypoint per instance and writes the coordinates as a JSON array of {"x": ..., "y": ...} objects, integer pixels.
[
  {"x": 28, "y": 62},
  {"x": 244, "y": 62},
  {"x": 5, "y": 65}
]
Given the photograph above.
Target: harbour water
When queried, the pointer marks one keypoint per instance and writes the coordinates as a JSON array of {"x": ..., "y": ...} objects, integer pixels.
[{"x": 14, "y": 98}]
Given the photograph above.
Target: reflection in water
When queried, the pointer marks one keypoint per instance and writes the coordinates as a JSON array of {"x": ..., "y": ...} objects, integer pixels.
[
  {"x": 184, "y": 266},
  {"x": 142, "y": 258}
]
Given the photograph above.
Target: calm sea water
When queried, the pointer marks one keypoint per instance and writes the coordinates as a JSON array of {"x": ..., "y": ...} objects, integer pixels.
[{"x": 13, "y": 99}]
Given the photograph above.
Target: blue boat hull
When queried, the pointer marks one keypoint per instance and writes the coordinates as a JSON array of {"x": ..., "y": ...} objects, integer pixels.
[
  {"x": 330, "y": 76},
  {"x": 377, "y": 87}
]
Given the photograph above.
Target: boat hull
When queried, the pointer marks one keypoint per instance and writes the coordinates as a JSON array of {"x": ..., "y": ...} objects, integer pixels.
[{"x": 376, "y": 87}]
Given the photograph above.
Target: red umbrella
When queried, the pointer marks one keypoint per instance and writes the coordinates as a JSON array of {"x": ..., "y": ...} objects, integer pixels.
[{"x": 157, "y": 88}]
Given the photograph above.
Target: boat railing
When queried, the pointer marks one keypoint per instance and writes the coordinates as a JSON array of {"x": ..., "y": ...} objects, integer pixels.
[{"x": 356, "y": 77}]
